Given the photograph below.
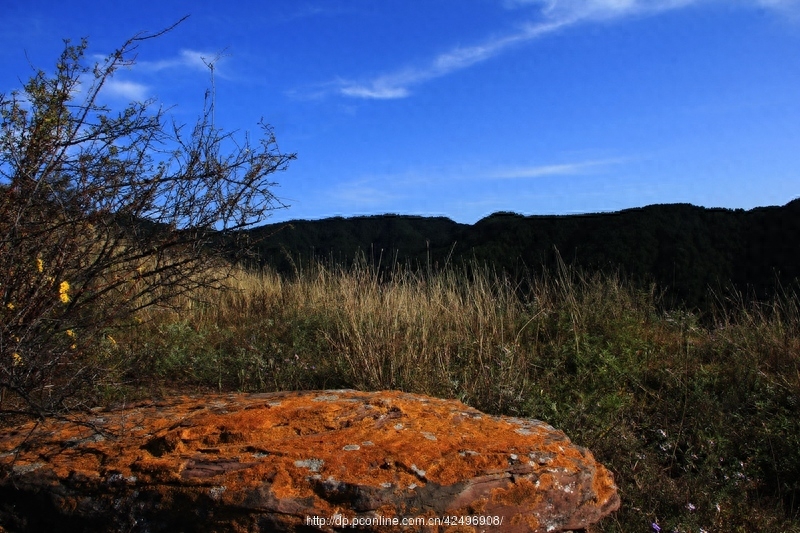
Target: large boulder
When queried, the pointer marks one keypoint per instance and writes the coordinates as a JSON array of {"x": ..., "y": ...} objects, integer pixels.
[{"x": 300, "y": 461}]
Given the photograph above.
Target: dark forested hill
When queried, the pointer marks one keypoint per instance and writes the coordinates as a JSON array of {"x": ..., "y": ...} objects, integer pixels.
[
  {"x": 384, "y": 239},
  {"x": 684, "y": 248}
]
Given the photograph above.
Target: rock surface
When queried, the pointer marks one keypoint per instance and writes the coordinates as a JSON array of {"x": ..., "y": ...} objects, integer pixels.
[{"x": 305, "y": 461}]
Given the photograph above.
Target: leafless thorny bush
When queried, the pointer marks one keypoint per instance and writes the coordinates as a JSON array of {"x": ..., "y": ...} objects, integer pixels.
[{"x": 103, "y": 214}]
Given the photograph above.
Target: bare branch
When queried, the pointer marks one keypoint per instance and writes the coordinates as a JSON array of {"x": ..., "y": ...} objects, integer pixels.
[{"x": 103, "y": 215}]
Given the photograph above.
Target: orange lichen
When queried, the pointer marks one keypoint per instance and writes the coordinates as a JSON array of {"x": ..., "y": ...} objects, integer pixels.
[
  {"x": 319, "y": 451},
  {"x": 518, "y": 494}
]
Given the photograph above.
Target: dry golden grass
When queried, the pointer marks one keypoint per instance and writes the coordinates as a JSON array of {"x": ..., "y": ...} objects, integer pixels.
[{"x": 697, "y": 416}]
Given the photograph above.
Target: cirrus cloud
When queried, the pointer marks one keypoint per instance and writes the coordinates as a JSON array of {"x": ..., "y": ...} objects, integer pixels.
[
  {"x": 549, "y": 16},
  {"x": 562, "y": 169},
  {"x": 188, "y": 59},
  {"x": 127, "y": 90}
]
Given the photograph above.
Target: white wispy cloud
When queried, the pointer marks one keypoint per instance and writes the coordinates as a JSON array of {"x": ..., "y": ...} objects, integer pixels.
[
  {"x": 573, "y": 11},
  {"x": 127, "y": 90},
  {"x": 384, "y": 190},
  {"x": 578, "y": 10},
  {"x": 550, "y": 15},
  {"x": 397, "y": 84},
  {"x": 365, "y": 193},
  {"x": 187, "y": 59},
  {"x": 787, "y": 7},
  {"x": 563, "y": 169},
  {"x": 114, "y": 91}
]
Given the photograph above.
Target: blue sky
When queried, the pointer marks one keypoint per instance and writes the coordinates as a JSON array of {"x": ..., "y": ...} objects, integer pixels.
[{"x": 463, "y": 108}]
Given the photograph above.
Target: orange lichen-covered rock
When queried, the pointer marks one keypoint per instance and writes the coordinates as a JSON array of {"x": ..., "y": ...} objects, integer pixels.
[{"x": 301, "y": 461}]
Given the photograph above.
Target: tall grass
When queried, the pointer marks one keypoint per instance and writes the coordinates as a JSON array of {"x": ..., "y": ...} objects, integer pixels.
[{"x": 697, "y": 418}]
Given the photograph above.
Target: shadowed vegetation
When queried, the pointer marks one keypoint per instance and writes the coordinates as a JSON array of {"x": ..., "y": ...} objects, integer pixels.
[
  {"x": 698, "y": 422},
  {"x": 683, "y": 248}
]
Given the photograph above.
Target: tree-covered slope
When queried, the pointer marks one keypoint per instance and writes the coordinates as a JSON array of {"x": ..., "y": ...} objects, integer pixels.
[{"x": 684, "y": 248}]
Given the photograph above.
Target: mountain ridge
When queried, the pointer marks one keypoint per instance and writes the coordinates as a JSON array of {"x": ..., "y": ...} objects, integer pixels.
[{"x": 685, "y": 249}]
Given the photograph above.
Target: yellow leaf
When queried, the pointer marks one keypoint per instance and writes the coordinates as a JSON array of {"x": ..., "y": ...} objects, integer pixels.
[{"x": 63, "y": 292}]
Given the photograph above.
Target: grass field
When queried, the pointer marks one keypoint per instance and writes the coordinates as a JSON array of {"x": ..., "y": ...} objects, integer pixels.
[{"x": 696, "y": 416}]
